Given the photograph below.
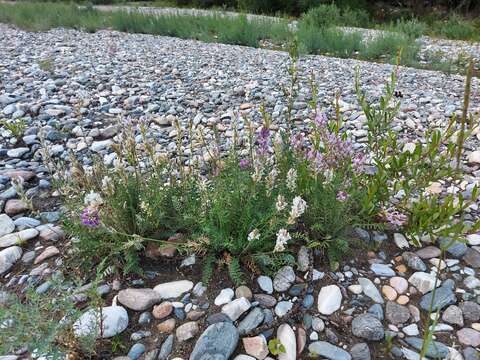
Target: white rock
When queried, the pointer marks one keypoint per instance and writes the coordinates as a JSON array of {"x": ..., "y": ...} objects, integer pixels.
[
  {"x": 173, "y": 289},
  {"x": 370, "y": 290},
  {"x": 115, "y": 321},
  {"x": 474, "y": 157},
  {"x": 287, "y": 338},
  {"x": 473, "y": 239},
  {"x": 355, "y": 289},
  {"x": 18, "y": 237},
  {"x": 411, "y": 330},
  {"x": 8, "y": 257},
  {"x": 329, "y": 299},
  {"x": 401, "y": 241},
  {"x": 225, "y": 296},
  {"x": 236, "y": 308},
  {"x": 265, "y": 284},
  {"x": 6, "y": 225},
  {"x": 423, "y": 281}
]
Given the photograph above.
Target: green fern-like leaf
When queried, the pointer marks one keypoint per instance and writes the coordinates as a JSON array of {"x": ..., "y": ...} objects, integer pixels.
[
  {"x": 235, "y": 272},
  {"x": 208, "y": 266}
]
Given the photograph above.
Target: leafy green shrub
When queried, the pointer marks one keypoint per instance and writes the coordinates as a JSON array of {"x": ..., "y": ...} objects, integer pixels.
[
  {"x": 411, "y": 28},
  {"x": 410, "y": 170},
  {"x": 355, "y": 17},
  {"x": 330, "y": 41},
  {"x": 389, "y": 46},
  {"x": 456, "y": 28},
  {"x": 127, "y": 206},
  {"x": 322, "y": 16}
]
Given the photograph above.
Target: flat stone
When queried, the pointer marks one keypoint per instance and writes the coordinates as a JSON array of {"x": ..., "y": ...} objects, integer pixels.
[
  {"x": 401, "y": 241},
  {"x": 253, "y": 319},
  {"x": 138, "y": 299},
  {"x": 236, "y": 308},
  {"x": 453, "y": 315},
  {"x": 429, "y": 252},
  {"x": 284, "y": 279},
  {"x": 256, "y": 346},
  {"x": 225, "y": 296},
  {"x": 444, "y": 296},
  {"x": 411, "y": 330},
  {"x": 265, "y": 284},
  {"x": 303, "y": 259},
  {"x": 329, "y": 299},
  {"x": 167, "y": 326},
  {"x": 282, "y": 308},
  {"x": 396, "y": 313},
  {"x": 115, "y": 321},
  {"x": 46, "y": 254},
  {"x": 399, "y": 284},
  {"x": 243, "y": 291},
  {"x": 455, "y": 248},
  {"x": 187, "y": 331},
  {"x": 370, "y": 290},
  {"x": 413, "y": 261},
  {"x": 173, "y": 289},
  {"x": 15, "y": 206},
  {"x": 328, "y": 351},
  {"x": 382, "y": 270},
  {"x": 163, "y": 310},
  {"x": 166, "y": 348},
  {"x": 287, "y": 338},
  {"x": 424, "y": 282},
  {"x": 218, "y": 342},
  {"x": 368, "y": 327},
  {"x": 8, "y": 257},
  {"x": 470, "y": 310},
  {"x": 435, "y": 349},
  {"x": 360, "y": 351},
  {"x": 473, "y": 239},
  {"x": 264, "y": 300},
  {"x": 469, "y": 337},
  {"x": 7, "y": 225},
  {"x": 18, "y": 237},
  {"x": 472, "y": 258}
]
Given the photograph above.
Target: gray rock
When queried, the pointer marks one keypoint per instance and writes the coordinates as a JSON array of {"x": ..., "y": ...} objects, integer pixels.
[
  {"x": 265, "y": 284},
  {"x": 377, "y": 311},
  {"x": 370, "y": 290},
  {"x": 382, "y": 270},
  {"x": 470, "y": 353},
  {"x": 253, "y": 319},
  {"x": 136, "y": 351},
  {"x": 8, "y": 257},
  {"x": 303, "y": 259},
  {"x": 217, "y": 342},
  {"x": 396, "y": 313},
  {"x": 471, "y": 310},
  {"x": 413, "y": 261},
  {"x": 329, "y": 351},
  {"x": 368, "y": 327},
  {"x": 444, "y": 296},
  {"x": 166, "y": 348},
  {"x": 115, "y": 321},
  {"x": 435, "y": 349},
  {"x": 455, "y": 248},
  {"x": 360, "y": 351},
  {"x": 284, "y": 279},
  {"x": 472, "y": 258},
  {"x": 7, "y": 225},
  {"x": 138, "y": 299}
]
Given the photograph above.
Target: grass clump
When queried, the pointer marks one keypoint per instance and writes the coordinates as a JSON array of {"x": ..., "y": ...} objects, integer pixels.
[
  {"x": 387, "y": 47},
  {"x": 455, "y": 27}
]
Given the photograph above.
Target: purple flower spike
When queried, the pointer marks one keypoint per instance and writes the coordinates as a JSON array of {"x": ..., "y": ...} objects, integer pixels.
[
  {"x": 262, "y": 141},
  {"x": 321, "y": 119},
  {"x": 90, "y": 218},
  {"x": 243, "y": 164}
]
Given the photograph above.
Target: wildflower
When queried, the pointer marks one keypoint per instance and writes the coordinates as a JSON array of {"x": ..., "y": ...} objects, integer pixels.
[
  {"x": 243, "y": 164},
  {"x": 394, "y": 217},
  {"x": 107, "y": 183},
  {"x": 271, "y": 179},
  {"x": 254, "y": 235},
  {"x": 89, "y": 217},
  {"x": 278, "y": 139},
  {"x": 342, "y": 196},
  {"x": 357, "y": 162},
  {"x": 292, "y": 179},
  {"x": 321, "y": 119},
  {"x": 282, "y": 238},
  {"x": 281, "y": 204},
  {"x": 262, "y": 141},
  {"x": 93, "y": 199},
  {"x": 298, "y": 141},
  {"x": 298, "y": 208}
]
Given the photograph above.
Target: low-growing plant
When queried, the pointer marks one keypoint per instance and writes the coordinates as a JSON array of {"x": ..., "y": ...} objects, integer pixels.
[
  {"x": 455, "y": 27},
  {"x": 322, "y": 16},
  {"x": 388, "y": 46},
  {"x": 412, "y": 28},
  {"x": 331, "y": 41},
  {"x": 16, "y": 126},
  {"x": 128, "y": 205}
]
